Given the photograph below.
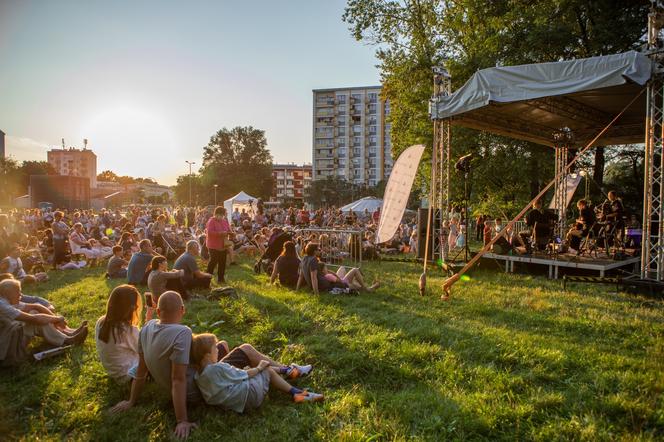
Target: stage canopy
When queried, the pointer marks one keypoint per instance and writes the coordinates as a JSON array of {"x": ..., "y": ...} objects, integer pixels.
[
  {"x": 368, "y": 202},
  {"x": 532, "y": 102}
]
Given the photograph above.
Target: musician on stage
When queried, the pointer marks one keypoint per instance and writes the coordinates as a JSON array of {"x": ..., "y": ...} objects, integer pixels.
[
  {"x": 612, "y": 211},
  {"x": 538, "y": 225},
  {"x": 584, "y": 223}
]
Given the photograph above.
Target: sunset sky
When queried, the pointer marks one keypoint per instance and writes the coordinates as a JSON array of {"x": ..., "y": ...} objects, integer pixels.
[{"x": 148, "y": 82}]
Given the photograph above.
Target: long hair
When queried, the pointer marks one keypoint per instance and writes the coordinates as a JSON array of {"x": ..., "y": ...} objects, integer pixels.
[
  {"x": 289, "y": 250},
  {"x": 200, "y": 346},
  {"x": 123, "y": 309}
]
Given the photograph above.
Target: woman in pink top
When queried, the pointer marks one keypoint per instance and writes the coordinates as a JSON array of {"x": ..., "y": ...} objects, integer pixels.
[{"x": 217, "y": 229}]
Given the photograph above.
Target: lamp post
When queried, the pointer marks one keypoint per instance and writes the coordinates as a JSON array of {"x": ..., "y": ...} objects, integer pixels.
[
  {"x": 215, "y": 194},
  {"x": 191, "y": 163}
]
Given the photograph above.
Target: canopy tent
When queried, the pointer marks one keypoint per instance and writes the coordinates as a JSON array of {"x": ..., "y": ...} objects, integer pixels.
[
  {"x": 239, "y": 201},
  {"x": 533, "y": 102},
  {"x": 368, "y": 202}
]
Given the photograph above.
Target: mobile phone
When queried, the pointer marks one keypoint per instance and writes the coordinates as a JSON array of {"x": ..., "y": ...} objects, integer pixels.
[{"x": 148, "y": 299}]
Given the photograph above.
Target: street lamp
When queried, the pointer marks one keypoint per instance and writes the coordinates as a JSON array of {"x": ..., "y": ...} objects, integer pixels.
[
  {"x": 215, "y": 194},
  {"x": 191, "y": 163}
]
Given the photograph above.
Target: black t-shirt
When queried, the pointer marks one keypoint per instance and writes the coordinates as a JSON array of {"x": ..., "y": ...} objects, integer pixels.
[{"x": 287, "y": 268}]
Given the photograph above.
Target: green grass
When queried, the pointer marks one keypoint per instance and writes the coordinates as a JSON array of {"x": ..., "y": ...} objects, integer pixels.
[{"x": 509, "y": 357}]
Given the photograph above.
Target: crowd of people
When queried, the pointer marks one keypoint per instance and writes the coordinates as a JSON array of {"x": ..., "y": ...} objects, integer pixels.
[{"x": 297, "y": 248}]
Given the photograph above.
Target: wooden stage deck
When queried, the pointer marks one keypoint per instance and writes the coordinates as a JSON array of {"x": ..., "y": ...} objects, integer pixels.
[{"x": 565, "y": 261}]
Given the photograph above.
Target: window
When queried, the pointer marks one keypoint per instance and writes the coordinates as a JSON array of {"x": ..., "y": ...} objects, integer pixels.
[
  {"x": 356, "y": 152},
  {"x": 356, "y": 97},
  {"x": 357, "y": 141},
  {"x": 341, "y": 121},
  {"x": 341, "y": 98},
  {"x": 357, "y": 129},
  {"x": 341, "y": 141},
  {"x": 372, "y": 120},
  {"x": 342, "y": 131},
  {"x": 372, "y": 108},
  {"x": 341, "y": 110},
  {"x": 373, "y": 97},
  {"x": 342, "y": 152}
]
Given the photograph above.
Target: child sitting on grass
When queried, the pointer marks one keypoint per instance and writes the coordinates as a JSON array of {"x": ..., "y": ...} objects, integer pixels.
[{"x": 235, "y": 389}]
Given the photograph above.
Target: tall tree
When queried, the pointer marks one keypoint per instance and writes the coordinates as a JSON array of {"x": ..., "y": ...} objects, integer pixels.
[
  {"x": 411, "y": 36},
  {"x": 237, "y": 159}
]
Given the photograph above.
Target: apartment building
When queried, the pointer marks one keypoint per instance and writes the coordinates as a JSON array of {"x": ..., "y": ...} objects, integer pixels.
[
  {"x": 74, "y": 162},
  {"x": 351, "y": 138},
  {"x": 290, "y": 182}
]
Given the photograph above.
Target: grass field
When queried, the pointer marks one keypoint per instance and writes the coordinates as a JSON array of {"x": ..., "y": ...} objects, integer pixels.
[{"x": 510, "y": 357}]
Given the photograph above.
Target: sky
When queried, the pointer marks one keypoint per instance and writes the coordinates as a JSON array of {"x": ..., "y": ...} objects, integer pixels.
[{"x": 148, "y": 82}]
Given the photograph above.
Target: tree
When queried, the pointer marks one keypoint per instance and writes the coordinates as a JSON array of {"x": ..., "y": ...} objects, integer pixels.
[
  {"x": 236, "y": 159},
  {"x": 10, "y": 180},
  {"x": 107, "y": 175},
  {"x": 411, "y": 36},
  {"x": 29, "y": 168}
]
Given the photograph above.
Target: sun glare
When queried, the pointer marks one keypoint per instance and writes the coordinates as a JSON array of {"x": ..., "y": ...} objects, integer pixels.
[{"x": 129, "y": 139}]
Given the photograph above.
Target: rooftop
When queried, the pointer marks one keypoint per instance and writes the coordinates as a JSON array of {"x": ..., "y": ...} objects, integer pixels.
[{"x": 355, "y": 88}]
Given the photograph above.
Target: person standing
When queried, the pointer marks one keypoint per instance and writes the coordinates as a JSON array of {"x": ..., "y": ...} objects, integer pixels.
[
  {"x": 479, "y": 227},
  {"x": 217, "y": 230},
  {"x": 60, "y": 235}
]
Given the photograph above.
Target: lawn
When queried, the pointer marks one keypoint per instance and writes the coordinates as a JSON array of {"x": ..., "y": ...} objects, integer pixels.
[{"x": 509, "y": 357}]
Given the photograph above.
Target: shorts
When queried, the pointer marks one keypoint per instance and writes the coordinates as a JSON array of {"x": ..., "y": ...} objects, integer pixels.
[
  {"x": 258, "y": 388},
  {"x": 237, "y": 358}
]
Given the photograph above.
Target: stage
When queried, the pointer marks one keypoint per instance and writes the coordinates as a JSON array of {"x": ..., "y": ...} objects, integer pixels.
[{"x": 565, "y": 261}]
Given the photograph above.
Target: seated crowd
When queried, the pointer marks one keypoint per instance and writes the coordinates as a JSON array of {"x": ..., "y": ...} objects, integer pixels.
[{"x": 137, "y": 248}]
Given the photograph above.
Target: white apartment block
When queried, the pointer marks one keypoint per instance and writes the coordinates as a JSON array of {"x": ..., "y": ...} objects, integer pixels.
[{"x": 351, "y": 138}]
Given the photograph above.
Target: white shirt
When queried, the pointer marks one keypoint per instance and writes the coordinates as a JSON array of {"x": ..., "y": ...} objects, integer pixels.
[{"x": 118, "y": 358}]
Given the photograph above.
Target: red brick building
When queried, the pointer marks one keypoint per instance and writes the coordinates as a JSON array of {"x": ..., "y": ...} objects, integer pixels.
[{"x": 290, "y": 182}]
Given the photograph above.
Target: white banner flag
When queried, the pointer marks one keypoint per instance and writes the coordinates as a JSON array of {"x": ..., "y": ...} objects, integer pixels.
[{"x": 398, "y": 191}]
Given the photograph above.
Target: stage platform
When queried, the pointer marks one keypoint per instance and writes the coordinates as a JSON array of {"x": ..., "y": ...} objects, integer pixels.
[{"x": 564, "y": 261}]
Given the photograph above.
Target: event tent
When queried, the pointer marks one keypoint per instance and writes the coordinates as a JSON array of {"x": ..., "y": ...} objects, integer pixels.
[
  {"x": 239, "y": 201},
  {"x": 532, "y": 102},
  {"x": 368, "y": 202}
]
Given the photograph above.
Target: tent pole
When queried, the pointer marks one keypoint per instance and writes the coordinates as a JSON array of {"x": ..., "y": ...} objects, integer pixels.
[{"x": 449, "y": 282}]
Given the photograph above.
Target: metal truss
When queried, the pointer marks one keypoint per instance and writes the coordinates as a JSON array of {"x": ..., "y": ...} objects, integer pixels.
[
  {"x": 440, "y": 168},
  {"x": 652, "y": 252},
  {"x": 563, "y": 140}
]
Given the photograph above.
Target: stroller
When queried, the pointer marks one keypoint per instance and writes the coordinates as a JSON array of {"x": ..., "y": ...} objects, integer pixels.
[{"x": 266, "y": 262}]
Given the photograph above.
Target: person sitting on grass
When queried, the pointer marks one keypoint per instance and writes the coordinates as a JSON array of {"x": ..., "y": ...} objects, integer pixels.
[
  {"x": 193, "y": 277},
  {"x": 286, "y": 266},
  {"x": 20, "y": 322},
  {"x": 160, "y": 279},
  {"x": 117, "y": 265},
  {"x": 27, "y": 299},
  {"x": 139, "y": 263},
  {"x": 164, "y": 346},
  {"x": 13, "y": 264},
  {"x": 234, "y": 388},
  {"x": 351, "y": 279},
  {"x": 116, "y": 333},
  {"x": 310, "y": 271}
]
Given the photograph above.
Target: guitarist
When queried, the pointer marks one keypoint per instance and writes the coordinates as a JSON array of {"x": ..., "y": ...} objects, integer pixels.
[{"x": 584, "y": 223}]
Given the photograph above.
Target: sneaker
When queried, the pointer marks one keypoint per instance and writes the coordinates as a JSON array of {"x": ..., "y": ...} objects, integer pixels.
[
  {"x": 307, "y": 396},
  {"x": 298, "y": 371}
]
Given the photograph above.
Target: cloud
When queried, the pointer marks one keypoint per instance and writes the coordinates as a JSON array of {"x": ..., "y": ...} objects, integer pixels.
[{"x": 23, "y": 148}]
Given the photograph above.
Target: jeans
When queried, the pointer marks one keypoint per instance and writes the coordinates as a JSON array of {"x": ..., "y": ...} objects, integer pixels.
[{"x": 218, "y": 259}]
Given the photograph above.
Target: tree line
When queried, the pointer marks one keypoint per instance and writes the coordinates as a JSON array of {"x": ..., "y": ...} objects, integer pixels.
[{"x": 412, "y": 36}]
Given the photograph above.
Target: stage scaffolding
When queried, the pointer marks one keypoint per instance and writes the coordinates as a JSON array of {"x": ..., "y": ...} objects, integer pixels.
[
  {"x": 652, "y": 252},
  {"x": 439, "y": 199},
  {"x": 563, "y": 140}
]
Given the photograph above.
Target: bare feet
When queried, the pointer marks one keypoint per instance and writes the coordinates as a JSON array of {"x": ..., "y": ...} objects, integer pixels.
[{"x": 374, "y": 286}]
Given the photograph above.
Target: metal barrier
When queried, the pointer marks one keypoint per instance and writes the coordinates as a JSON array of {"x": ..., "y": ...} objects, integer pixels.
[{"x": 337, "y": 246}]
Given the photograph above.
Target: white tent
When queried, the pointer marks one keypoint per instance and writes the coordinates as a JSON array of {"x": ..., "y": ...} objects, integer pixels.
[
  {"x": 368, "y": 202},
  {"x": 240, "y": 201}
]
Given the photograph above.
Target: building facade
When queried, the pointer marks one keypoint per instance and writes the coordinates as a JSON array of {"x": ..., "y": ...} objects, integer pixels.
[
  {"x": 290, "y": 182},
  {"x": 74, "y": 162},
  {"x": 351, "y": 138}
]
